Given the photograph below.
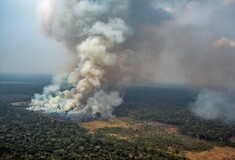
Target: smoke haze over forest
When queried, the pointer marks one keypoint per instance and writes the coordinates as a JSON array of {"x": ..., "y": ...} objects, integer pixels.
[{"x": 98, "y": 48}]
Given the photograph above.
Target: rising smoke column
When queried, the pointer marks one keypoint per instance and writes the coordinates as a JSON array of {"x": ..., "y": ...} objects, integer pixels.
[
  {"x": 107, "y": 53},
  {"x": 91, "y": 30}
]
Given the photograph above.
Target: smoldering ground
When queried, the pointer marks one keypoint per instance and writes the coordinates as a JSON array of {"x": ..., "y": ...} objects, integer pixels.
[{"x": 115, "y": 44}]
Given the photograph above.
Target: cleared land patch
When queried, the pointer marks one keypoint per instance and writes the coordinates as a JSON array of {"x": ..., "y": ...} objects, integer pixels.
[
  {"x": 150, "y": 134},
  {"x": 126, "y": 122}
]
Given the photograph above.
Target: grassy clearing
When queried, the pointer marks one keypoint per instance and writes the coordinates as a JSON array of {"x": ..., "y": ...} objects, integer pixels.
[
  {"x": 111, "y": 123},
  {"x": 118, "y": 136}
]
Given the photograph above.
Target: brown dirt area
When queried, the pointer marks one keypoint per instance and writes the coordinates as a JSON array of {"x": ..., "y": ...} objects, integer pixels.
[{"x": 217, "y": 153}]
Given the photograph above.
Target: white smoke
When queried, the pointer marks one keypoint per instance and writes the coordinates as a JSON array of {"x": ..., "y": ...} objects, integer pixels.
[
  {"x": 215, "y": 105},
  {"x": 91, "y": 30}
]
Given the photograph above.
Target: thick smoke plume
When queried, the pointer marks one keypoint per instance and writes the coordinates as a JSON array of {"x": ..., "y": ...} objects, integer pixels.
[
  {"x": 101, "y": 37},
  {"x": 91, "y": 30},
  {"x": 116, "y": 43}
]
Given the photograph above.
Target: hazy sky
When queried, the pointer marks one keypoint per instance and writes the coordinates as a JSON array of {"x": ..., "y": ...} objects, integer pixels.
[{"x": 23, "y": 49}]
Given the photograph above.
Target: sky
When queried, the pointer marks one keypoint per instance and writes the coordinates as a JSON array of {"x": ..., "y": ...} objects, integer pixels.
[{"x": 23, "y": 49}]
